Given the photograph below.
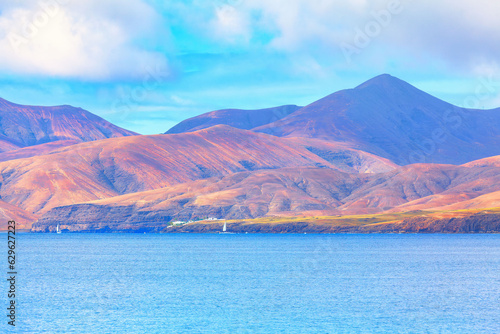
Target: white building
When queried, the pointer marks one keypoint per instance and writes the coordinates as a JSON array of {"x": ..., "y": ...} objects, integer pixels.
[{"x": 178, "y": 223}]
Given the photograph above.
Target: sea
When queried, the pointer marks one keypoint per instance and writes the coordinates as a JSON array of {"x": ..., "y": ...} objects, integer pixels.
[{"x": 255, "y": 283}]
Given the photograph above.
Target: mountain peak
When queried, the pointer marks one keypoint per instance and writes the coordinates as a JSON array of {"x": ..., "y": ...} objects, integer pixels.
[
  {"x": 386, "y": 87},
  {"x": 384, "y": 81}
]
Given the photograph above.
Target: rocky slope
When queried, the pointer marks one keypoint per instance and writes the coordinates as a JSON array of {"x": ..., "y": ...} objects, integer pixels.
[
  {"x": 22, "y": 218},
  {"x": 343, "y": 156},
  {"x": 240, "y": 195},
  {"x": 292, "y": 191},
  {"x": 22, "y": 126},
  {"x": 106, "y": 168},
  {"x": 31, "y": 151}
]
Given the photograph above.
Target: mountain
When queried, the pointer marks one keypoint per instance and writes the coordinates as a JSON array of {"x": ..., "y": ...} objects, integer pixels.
[
  {"x": 237, "y": 118},
  {"x": 290, "y": 191},
  {"x": 111, "y": 167},
  {"x": 240, "y": 195},
  {"x": 388, "y": 117},
  {"x": 22, "y": 218},
  {"x": 471, "y": 186},
  {"x": 422, "y": 187},
  {"x": 335, "y": 157},
  {"x": 22, "y": 126}
]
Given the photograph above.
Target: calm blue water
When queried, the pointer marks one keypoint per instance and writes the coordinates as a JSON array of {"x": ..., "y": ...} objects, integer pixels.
[{"x": 188, "y": 283}]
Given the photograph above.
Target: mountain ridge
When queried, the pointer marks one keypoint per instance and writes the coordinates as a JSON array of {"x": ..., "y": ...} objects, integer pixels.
[
  {"x": 111, "y": 167},
  {"x": 336, "y": 156},
  {"x": 23, "y": 126},
  {"x": 237, "y": 118},
  {"x": 390, "y": 118},
  {"x": 384, "y": 116}
]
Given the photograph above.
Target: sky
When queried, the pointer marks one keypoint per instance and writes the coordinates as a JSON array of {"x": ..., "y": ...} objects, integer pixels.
[{"x": 146, "y": 65}]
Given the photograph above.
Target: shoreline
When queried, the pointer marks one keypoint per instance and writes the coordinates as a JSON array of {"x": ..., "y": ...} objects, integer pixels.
[{"x": 462, "y": 221}]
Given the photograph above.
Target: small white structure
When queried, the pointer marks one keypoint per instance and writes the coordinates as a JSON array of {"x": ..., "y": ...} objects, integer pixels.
[{"x": 178, "y": 223}]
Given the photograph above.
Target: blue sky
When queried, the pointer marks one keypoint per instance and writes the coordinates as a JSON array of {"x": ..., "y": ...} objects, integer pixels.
[{"x": 146, "y": 65}]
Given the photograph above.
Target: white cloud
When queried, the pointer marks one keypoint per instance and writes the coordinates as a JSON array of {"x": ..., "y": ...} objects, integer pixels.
[
  {"x": 99, "y": 40},
  {"x": 231, "y": 24},
  {"x": 460, "y": 33},
  {"x": 299, "y": 22},
  {"x": 85, "y": 40},
  {"x": 466, "y": 34}
]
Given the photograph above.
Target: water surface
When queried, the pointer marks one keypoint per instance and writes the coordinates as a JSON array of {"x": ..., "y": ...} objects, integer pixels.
[{"x": 258, "y": 283}]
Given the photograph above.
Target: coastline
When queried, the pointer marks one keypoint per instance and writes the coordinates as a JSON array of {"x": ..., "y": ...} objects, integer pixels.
[{"x": 463, "y": 221}]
